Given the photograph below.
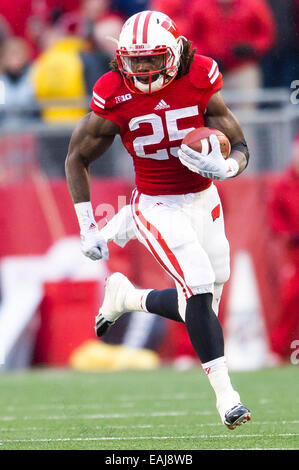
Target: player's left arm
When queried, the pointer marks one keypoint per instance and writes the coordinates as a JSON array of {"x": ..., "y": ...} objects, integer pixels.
[
  {"x": 219, "y": 116},
  {"x": 213, "y": 165}
]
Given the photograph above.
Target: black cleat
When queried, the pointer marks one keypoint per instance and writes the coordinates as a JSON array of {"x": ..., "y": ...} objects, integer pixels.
[
  {"x": 102, "y": 325},
  {"x": 236, "y": 416}
]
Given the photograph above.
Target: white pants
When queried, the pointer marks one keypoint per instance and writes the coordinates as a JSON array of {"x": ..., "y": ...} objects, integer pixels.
[{"x": 185, "y": 234}]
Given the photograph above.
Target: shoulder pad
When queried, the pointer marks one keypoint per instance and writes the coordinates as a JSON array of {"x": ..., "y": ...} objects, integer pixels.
[
  {"x": 106, "y": 88},
  {"x": 204, "y": 72}
]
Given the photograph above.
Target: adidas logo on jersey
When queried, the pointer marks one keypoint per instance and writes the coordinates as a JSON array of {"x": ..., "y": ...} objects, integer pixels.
[{"x": 162, "y": 105}]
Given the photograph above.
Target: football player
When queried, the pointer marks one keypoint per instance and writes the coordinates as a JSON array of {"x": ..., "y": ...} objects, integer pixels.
[{"x": 157, "y": 91}]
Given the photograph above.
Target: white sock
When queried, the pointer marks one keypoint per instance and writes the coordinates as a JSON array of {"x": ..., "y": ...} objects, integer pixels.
[
  {"x": 135, "y": 299},
  {"x": 226, "y": 396}
]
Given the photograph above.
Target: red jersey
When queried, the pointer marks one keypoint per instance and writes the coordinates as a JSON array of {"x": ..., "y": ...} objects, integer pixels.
[{"x": 152, "y": 126}]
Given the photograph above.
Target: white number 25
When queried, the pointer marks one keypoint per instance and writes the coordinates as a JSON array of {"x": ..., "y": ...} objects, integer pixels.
[{"x": 158, "y": 135}]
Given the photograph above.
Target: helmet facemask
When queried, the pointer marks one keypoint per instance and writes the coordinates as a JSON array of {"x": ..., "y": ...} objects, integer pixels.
[{"x": 147, "y": 71}]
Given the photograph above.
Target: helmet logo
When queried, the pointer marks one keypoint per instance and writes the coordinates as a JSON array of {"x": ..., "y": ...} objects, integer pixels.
[{"x": 171, "y": 27}]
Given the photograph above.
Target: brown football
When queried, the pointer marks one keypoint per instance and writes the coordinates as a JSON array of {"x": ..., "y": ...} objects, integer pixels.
[{"x": 198, "y": 140}]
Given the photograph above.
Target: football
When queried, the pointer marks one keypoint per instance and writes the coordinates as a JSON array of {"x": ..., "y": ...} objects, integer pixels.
[{"x": 198, "y": 140}]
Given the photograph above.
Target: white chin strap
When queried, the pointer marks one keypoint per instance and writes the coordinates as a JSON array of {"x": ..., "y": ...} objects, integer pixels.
[{"x": 144, "y": 87}]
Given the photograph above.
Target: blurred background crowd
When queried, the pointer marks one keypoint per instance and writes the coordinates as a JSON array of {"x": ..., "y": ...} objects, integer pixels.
[
  {"x": 51, "y": 54},
  {"x": 54, "y": 49}
]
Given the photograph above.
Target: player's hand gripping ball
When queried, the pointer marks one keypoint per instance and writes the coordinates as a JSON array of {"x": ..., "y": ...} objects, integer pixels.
[
  {"x": 198, "y": 140},
  {"x": 206, "y": 151}
]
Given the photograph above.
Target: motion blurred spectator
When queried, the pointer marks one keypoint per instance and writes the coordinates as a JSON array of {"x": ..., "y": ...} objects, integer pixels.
[
  {"x": 128, "y": 8},
  {"x": 106, "y": 29},
  {"x": 94, "y": 20},
  {"x": 58, "y": 74},
  {"x": 19, "y": 99},
  {"x": 176, "y": 10},
  {"x": 95, "y": 63},
  {"x": 5, "y": 30},
  {"x": 283, "y": 212},
  {"x": 16, "y": 13},
  {"x": 30, "y": 18},
  {"x": 281, "y": 65},
  {"x": 236, "y": 33}
]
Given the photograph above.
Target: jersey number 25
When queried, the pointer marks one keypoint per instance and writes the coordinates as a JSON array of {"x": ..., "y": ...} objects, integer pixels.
[{"x": 173, "y": 133}]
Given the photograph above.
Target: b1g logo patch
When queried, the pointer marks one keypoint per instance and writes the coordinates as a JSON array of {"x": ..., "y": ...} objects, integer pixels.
[
  {"x": 216, "y": 212},
  {"x": 122, "y": 98}
]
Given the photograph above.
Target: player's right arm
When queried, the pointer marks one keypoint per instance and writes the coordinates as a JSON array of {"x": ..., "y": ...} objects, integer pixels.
[
  {"x": 92, "y": 136},
  {"x": 90, "y": 139}
]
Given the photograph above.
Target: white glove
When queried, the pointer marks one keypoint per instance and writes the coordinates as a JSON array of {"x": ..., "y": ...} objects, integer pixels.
[
  {"x": 93, "y": 244},
  {"x": 213, "y": 165}
]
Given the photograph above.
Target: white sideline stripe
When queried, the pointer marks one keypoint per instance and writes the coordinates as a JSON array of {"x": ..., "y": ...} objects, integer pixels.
[
  {"x": 130, "y": 398},
  {"x": 149, "y": 426},
  {"x": 98, "y": 97},
  {"x": 139, "y": 438},
  {"x": 63, "y": 407},
  {"x": 106, "y": 416},
  {"x": 176, "y": 396},
  {"x": 98, "y": 104},
  {"x": 121, "y": 416}
]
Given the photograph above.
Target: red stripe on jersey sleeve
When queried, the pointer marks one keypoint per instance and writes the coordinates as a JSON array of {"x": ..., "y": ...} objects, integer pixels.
[{"x": 110, "y": 116}]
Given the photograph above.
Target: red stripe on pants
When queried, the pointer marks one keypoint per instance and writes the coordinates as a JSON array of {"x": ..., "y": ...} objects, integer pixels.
[{"x": 170, "y": 255}]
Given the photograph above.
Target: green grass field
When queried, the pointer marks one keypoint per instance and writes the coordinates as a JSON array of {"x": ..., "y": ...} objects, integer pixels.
[{"x": 155, "y": 410}]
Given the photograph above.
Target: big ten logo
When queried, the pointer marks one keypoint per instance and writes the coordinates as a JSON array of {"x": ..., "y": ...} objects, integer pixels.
[
  {"x": 2, "y": 92},
  {"x": 120, "y": 99},
  {"x": 294, "y": 98},
  {"x": 294, "y": 358},
  {"x": 105, "y": 211}
]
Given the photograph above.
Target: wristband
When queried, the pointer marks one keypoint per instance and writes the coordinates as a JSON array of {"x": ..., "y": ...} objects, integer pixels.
[
  {"x": 85, "y": 215},
  {"x": 241, "y": 147},
  {"x": 232, "y": 167}
]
